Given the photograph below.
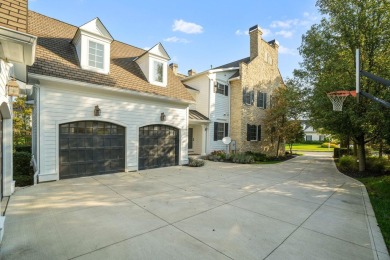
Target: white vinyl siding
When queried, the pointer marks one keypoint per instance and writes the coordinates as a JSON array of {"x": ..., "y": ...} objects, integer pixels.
[{"x": 67, "y": 103}]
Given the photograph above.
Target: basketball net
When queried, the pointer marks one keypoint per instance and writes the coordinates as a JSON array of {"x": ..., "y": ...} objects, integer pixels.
[{"x": 338, "y": 97}]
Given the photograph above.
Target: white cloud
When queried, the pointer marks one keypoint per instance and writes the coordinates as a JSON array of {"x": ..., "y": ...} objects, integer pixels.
[
  {"x": 176, "y": 39},
  {"x": 146, "y": 48},
  {"x": 266, "y": 32},
  {"x": 244, "y": 32},
  {"x": 308, "y": 19},
  {"x": 284, "y": 24},
  {"x": 284, "y": 50},
  {"x": 285, "y": 34},
  {"x": 186, "y": 27}
]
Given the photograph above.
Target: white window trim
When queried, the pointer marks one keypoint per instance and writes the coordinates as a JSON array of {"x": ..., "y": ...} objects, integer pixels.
[
  {"x": 164, "y": 83},
  {"x": 104, "y": 54}
]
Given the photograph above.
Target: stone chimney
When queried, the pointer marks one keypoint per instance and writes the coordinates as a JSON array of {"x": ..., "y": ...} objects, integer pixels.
[
  {"x": 191, "y": 72},
  {"x": 274, "y": 43},
  {"x": 14, "y": 14},
  {"x": 255, "y": 41},
  {"x": 174, "y": 67}
]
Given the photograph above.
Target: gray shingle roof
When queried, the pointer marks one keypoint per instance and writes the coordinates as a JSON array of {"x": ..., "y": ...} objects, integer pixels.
[
  {"x": 233, "y": 64},
  {"x": 195, "y": 115}
]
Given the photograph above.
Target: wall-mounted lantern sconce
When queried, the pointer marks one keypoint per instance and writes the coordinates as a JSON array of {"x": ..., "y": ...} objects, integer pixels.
[
  {"x": 163, "y": 117},
  {"x": 97, "y": 111},
  {"x": 13, "y": 88}
]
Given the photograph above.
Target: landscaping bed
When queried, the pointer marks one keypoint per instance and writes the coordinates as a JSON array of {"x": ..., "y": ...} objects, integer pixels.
[
  {"x": 247, "y": 157},
  {"x": 377, "y": 181}
]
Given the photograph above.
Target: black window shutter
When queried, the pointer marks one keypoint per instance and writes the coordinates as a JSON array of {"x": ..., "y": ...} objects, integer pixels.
[
  {"x": 252, "y": 97},
  {"x": 226, "y": 129},
  {"x": 243, "y": 95},
  {"x": 248, "y": 132},
  {"x": 265, "y": 100},
  {"x": 258, "y": 98},
  {"x": 226, "y": 90},
  {"x": 258, "y": 132},
  {"x": 215, "y": 131}
]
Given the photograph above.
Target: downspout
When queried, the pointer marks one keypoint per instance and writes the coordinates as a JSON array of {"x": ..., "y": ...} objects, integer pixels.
[{"x": 34, "y": 162}]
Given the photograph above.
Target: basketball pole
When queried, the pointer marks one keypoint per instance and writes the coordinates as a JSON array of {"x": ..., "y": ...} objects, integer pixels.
[{"x": 357, "y": 75}]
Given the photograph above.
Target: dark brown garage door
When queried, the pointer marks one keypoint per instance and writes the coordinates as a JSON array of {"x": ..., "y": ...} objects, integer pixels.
[
  {"x": 158, "y": 146},
  {"x": 91, "y": 148}
]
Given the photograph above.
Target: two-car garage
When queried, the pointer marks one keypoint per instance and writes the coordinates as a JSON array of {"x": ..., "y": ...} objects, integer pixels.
[{"x": 94, "y": 147}]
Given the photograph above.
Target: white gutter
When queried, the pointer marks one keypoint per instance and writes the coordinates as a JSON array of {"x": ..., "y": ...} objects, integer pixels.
[
  {"x": 210, "y": 72},
  {"x": 236, "y": 78},
  {"x": 11, "y": 39},
  {"x": 113, "y": 89}
]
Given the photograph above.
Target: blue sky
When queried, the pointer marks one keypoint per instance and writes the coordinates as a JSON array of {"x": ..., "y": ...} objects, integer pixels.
[{"x": 196, "y": 34}]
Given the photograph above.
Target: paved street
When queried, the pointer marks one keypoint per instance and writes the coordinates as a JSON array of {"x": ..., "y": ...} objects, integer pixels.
[{"x": 300, "y": 209}]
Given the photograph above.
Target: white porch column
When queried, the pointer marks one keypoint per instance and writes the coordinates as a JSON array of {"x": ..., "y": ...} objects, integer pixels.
[{"x": 203, "y": 150}]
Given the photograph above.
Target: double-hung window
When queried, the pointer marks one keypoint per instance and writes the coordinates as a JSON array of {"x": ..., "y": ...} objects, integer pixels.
[
  {"x": 158, "y": 71},
  {"x": 96, "y": 55},
  {"x": 261, "y": 99},
  {"x": 221, "y": 89},
  {"x": 221, "y": 130},
  {"x": 253, "y": 132},
  {"x": 247, "y": 96}
]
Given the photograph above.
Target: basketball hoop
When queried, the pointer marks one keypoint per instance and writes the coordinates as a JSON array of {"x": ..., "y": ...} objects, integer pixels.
[{"x": 338, "y": 97}]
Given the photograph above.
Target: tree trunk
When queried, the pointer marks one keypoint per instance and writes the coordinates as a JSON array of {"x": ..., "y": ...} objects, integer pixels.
[
  {"x": 277, "y": 147},
  {"x": 381, "y": 148},
  {"x": 291, "y": 148},
  {"x": 361, "y": 153},
  {"x": 355, "y": 149}
]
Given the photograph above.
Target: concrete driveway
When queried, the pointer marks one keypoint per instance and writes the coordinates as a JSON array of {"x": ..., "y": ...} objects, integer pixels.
[{"x": 300, "y": 209}]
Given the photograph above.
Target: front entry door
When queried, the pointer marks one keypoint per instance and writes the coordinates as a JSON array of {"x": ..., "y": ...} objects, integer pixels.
[{"x": 190, "y": 137}]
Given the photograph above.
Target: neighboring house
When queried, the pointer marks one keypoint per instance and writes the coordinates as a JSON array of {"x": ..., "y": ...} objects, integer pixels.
[
  {"x": 102, "y": 106},
  {"x": 310, "y": 133},
  {"x": 17, "y": 49},
  {"x": 232, "y": 100}
]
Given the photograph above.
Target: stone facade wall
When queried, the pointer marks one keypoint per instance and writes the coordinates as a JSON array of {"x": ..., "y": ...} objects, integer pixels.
[
  {"x": 13, "y": 14},
  {"x": 260, "y": 74},
  {"x": 236, "y": 112}
]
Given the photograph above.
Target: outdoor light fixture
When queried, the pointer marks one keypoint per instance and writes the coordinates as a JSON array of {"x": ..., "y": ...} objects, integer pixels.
[
  {"x": 163, "y": 117},
  {"x": 13, "y": 88},
  {"x": 97, "y": 111}
]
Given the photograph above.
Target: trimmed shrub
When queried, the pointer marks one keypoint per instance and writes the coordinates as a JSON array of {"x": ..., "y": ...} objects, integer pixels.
[
  {"x": 332, "y": 145},
  {"x": 23, "y": 148},
  {"x": 195, "y": 162},
  {"x": 23, "y": 172},
  {"x": 348, "y": 164},
  {"x": 242, "y": 158},
  {"x": 23, "y": 180},
  {"x": 259, "y": 157},
  {"x": 22, "y": 164},
  {"x": 376, "y": 164},
  {"x": 217, "y": 156},
  {"x": 340, "y": 152}
]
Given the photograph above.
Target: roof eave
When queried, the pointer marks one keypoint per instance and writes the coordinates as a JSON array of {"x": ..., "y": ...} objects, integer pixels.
[
  {"x": 114, "y": 89},
  {"x": 210, "y": 72}
]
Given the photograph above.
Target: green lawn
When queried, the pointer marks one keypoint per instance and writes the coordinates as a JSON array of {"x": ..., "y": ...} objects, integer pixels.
[
  {"x": 379, "y": 191},
  {"x": 308, "y": 148}
]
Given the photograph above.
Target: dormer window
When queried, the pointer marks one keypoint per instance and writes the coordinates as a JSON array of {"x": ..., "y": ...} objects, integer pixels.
[
  {"x": 154, "y": 65},
  {"x": 93, "y": 42},
  {"x": 96, "y": 55},
  {"x": 158, "y": 71}
]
